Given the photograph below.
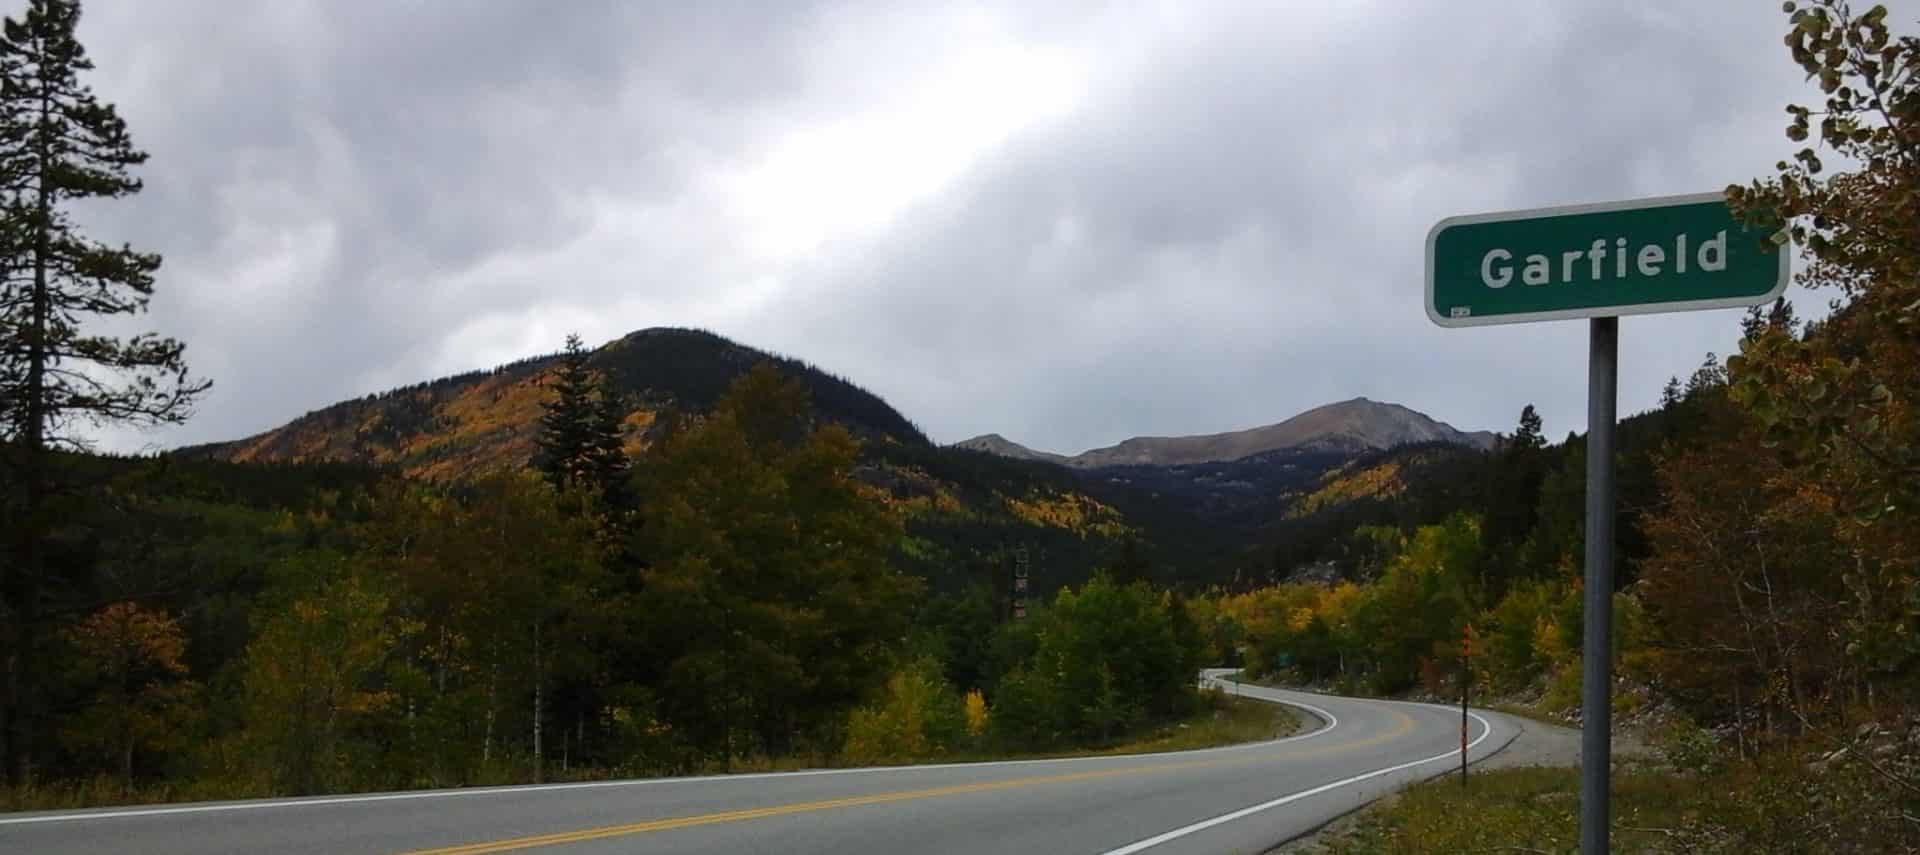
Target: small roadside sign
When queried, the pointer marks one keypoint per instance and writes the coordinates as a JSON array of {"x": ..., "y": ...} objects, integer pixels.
[{"x": 1665, "y": 254}]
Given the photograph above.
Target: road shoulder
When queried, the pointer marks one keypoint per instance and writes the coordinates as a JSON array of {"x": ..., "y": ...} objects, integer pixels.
[{"x": 1536, "y": 744}]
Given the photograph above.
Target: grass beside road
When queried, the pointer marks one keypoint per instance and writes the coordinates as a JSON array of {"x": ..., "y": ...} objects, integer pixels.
[
  {"x": 1773, "y": 805},
  {"x": 1512, "y": 810},
  {"x": 1234, "y": 720},
  {"x": 1222, "y": 720}
]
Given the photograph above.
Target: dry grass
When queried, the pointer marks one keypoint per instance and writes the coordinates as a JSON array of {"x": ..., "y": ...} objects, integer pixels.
[{"x": 1777, "y": 805}]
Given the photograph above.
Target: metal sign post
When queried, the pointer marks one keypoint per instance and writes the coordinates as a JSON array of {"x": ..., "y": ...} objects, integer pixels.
[
  {"x": 1666, "y": 254},
  {"x": 1596, "y": 667}
]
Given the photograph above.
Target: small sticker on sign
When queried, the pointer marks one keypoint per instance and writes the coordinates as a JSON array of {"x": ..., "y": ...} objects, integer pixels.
[{"x": 1462, "y": 311}]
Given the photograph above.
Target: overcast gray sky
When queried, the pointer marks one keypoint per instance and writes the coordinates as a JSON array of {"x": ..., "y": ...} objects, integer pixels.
[{"x": 1066, "y": 223}]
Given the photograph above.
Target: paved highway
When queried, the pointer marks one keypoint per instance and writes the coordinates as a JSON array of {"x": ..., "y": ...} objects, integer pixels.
[{"x": 1234, "y": 799}]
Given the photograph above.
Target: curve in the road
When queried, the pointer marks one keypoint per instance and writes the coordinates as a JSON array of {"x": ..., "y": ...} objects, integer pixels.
[
  {"x": 1486, "y": 730},
  {"x": 1232, "y": 797},
  {"x": 1329, "y": 722}
]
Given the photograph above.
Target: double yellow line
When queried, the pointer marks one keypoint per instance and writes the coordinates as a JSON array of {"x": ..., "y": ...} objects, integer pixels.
[
  {"x": 1404, "y": 725},
  {"x": 781, "y": 810}
]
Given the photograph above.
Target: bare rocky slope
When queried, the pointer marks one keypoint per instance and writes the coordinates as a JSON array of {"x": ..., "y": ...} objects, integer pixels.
[{"x": 993, "y": 443}]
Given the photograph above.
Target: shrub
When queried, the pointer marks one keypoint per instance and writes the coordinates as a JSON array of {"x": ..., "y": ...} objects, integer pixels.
[
  {"x": 917, "y": 715},
  {"x": 976, "y": 710}
]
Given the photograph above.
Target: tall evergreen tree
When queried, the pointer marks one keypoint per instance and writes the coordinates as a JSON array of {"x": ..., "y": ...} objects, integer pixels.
[
  {"x": 59, "y": 145},
  {"x": 566, "y": 429},
  {"x": 610, "y": 465},
  {"x": 1512, "y": 502},
  {"x": 1529, "y": 435},
  {"x": 582, "y": 433}
]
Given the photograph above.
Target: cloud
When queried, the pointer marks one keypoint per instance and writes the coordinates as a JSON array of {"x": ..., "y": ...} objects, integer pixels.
[{"x": 1068, "y": 225}]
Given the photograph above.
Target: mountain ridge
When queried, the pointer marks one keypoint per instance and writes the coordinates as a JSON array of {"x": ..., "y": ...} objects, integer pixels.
[
  {"x": 993, "y": 443},
  {"x": 482, "y": 421},
  {"x": 1354, "y": 425}
]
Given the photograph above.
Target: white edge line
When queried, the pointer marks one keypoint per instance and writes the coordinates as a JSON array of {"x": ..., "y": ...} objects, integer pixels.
[
  {"x": 1486, "y": 730},
  {"x": 1332, "y": 722}
]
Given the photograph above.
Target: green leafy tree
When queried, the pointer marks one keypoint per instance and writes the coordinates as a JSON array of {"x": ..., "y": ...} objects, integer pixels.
[
  {"x": 543, "y": 571},
  {"x": 516, "y": 619},
  {"x": 1108, "y": 657},
  {"x": 958, "y": 630},
  {"x": 918, "y": 714},
  {"x": 769, "y": 584},
  {"x": 1421, "y": 601},
  {"x": 61, "y": 146},
  {"x": 313, "y": 676}
]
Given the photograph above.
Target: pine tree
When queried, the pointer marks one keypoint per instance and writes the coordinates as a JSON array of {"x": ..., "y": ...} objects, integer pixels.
[
  {"x": 609, "y": 449},
  {"x": 566, "y": 429},
  {"x": 1671, "y": 398},
  {"x": 583, "y": 432},
  {"x": 1513, "y": 502},
  {"x": 59, "y": 145},
  {"x": 1710, "y": 375},
  {"x": 1529, "y": 435}
]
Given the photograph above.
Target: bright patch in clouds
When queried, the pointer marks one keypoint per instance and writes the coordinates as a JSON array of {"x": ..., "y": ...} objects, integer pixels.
[{"x": 855, "y": 173}]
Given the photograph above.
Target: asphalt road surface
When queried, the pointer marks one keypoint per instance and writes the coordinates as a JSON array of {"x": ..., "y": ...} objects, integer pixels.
[{"x": 1243, "y": 798}]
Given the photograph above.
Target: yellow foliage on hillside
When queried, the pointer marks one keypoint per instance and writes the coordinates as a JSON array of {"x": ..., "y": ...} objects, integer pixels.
[
  {"x": 447, "y": 434},
  {"x": 491, "y": 425},
  {"x": 1300, "y": 619},
  {"x": 635, "y": 426},
  {"x": 930, "y": 495},
  {"x": 1342, "y": 485},
  {"x": 1074, "y": 512}
]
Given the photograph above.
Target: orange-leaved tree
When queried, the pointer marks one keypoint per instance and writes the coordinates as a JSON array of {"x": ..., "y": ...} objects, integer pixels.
[
  {"x": 1842, "y": 402},
  {"x": 133, "y": 656}
]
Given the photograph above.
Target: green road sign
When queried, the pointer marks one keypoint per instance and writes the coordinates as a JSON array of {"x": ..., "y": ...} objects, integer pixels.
[{"x": 1668, "y": 254}]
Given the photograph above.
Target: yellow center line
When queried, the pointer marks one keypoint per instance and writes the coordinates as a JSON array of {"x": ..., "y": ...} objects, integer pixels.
[
  {"x": 1405, "y": 724},
  {"x": 1400, "y": 729},
  {"x": 780, "y": 810}
]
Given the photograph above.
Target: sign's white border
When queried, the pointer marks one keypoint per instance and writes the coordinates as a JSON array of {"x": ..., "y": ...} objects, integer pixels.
[{"x": 1779, "y": 286}]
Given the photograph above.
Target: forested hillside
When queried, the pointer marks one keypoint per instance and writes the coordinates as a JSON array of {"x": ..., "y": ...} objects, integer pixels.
[
  {"x": 485, "y": 422},
  {"x": 741, "y": 593}
]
